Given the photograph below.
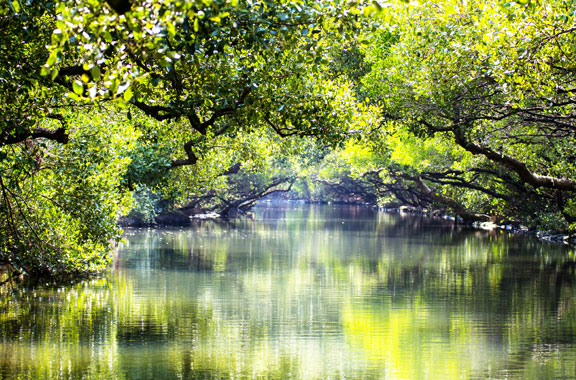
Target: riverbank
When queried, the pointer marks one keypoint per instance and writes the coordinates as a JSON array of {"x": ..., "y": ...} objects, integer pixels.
[
  {"x": 185, "y": 218},
  {"x": 516, "y": 228}
]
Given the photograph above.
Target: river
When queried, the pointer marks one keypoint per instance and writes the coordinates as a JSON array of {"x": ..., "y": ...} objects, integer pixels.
[{"x": 304, "y": 292}]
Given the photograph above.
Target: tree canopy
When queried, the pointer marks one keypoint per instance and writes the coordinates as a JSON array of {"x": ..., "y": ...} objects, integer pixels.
[
  {"x": 490, "y": 85},
  {"x": 148, "y": 105},
  {"x": 184, "y": 93}
]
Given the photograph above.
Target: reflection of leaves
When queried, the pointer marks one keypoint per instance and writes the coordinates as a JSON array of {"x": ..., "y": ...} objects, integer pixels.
[{"x": 402, "y": 304}]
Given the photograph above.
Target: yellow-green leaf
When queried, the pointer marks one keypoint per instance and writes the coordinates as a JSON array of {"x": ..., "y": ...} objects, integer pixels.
[
  {"x": 95, "y": 71},
  {"x": 78, "y": 87},
  {"x": 128, "y": 94},
  {"x": 16, "y": 6}
]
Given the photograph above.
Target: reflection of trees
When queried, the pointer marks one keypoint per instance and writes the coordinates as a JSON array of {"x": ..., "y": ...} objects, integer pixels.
[
  {"x": 466, "y": 312},
  {"x": 280, "y": 295},
  {"x": 480, "y": 294},
  {"x": 104, "y": 329}
]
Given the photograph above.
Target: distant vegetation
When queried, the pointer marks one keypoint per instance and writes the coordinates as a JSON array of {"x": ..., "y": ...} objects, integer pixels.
[{"x": 145, "y": 107}]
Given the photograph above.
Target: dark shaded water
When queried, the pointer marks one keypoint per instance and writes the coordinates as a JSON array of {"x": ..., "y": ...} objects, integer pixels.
[{"x": 304, "y": 292}]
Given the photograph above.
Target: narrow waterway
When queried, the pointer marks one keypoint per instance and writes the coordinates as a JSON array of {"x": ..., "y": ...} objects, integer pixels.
[{"x": 304, "y": 292}]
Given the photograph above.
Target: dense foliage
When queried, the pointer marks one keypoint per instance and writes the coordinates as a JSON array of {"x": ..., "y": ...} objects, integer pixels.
[
  {"x": 164, "y": 100},
  {"x": 477, "y": 101},
  {"x": 210, "y": 105}
]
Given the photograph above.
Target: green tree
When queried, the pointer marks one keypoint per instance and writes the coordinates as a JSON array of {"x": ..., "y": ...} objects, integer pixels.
[
  {"x": 187, "y": 90},
  {"x": 59, "y": 202},
  {"x": 491, "y": 85}
]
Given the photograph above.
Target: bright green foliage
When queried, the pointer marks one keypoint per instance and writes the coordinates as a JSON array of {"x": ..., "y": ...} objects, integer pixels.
[
  {"x": 209, "y": 67},
  {"x": 27, "y": 96},
  {"x": 465, "y": 105},
  {"x": 480, "y": 104},
  {"x": 204, "y": 87},
  {"x": 229, "y": 168},
  {"x": 342, "y": 174},
  {"x": 60, "y": 202}
]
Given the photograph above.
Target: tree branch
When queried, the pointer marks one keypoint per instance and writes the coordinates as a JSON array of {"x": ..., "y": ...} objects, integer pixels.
[
  {"x": 59, "y": 135},
  {"x": 159, "y": 113},
  {"x": 515, "y": 165},
  {"x": 454, "y": 205},
  {"x": 190, "y": 159}
]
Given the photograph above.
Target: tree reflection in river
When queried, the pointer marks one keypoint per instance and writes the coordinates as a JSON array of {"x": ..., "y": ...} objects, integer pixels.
[{"x": 304, "y": 292}]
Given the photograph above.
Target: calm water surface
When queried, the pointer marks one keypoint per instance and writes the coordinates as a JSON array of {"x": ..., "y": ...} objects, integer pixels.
[{"x": 304, "y": 292}]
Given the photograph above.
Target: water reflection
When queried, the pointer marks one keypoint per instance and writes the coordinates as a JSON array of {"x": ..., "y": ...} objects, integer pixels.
[{"x": 304, "y": 292}]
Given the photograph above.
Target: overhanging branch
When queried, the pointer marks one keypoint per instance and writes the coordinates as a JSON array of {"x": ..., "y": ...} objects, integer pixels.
[{"x": 517, "y": 166}]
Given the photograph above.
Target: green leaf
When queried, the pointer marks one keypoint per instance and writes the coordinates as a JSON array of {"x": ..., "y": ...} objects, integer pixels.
[
  {"x": 78, "y": 87},
  {"x": 45, "y": 70},
  {"x": 16, "y": 6},
  {"x": 73, "y": 96},
  {"x": 54, "y": 73},
  {"x": 52, "y": 58},
  {"x": 128, "y": 94},
  {"x": 95, "y": 72}
]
